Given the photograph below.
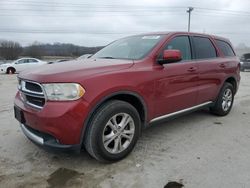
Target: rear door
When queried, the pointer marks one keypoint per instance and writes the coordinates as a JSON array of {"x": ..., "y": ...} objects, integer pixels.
[
  {"x": 177, "y": 87},
  {"x": 211, "y": 68},
  {"x": 33, "y": 63}
]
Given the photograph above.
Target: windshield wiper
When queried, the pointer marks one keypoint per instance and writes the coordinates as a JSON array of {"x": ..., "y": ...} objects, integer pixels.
[{"x": 107, "y": 57}]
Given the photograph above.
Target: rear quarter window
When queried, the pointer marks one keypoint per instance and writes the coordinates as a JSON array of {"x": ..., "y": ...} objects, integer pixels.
[
  {"x": 204, "y": 49},
  {"x": 225, "y": 48}
]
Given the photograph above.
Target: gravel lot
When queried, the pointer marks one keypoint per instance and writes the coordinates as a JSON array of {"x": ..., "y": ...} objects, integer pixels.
[{"x": 198, "y": 150}]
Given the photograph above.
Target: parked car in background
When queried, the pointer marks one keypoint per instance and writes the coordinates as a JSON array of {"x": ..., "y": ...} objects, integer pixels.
[
  {"x": 245, "y": 62},
  {"x": 20, "y": 65},
  {"x": 104, "y": 103},
  {"x": 85, "y": 56}
]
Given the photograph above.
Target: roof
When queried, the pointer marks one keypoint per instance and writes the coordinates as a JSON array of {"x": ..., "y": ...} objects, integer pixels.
[{"x": 185, "y": 33}]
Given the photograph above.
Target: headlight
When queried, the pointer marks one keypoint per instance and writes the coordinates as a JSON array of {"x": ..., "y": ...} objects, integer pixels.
[{"x": 63, "y": 91}]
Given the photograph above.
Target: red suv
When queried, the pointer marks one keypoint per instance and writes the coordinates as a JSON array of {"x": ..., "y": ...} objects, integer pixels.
[{"x": 104, "y": 102}]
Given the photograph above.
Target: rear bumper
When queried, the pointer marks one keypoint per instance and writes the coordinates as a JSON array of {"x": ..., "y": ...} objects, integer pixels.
[{"x": 45, "y": 140}]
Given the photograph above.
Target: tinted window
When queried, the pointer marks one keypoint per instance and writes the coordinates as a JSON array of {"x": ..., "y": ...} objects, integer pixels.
[
  {"x": 32, "y": 61},
  {"x": 225, "y": 48},
  {"x": 21, "y": 61},
  {"x": 204, "y": 48},
  {"x": 180, "y": 43}
]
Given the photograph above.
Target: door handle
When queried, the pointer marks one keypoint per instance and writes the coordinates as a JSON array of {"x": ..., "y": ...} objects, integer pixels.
[
  {"x": 192, "y": 69},
  {"x": 222, "y": 65}
]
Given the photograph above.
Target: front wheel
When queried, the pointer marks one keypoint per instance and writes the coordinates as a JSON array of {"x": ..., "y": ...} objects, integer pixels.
[
  {"x": 224, "y": 101},
  {"x": 113, "y": 131},
  {"x": 10, "y": 70}
]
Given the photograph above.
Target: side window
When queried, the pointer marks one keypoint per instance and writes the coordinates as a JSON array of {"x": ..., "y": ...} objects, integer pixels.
[
  {"x": 21, "y": 61},
  {"x": 26, "y": 60},
  {"x": 33, "y": 61},
  {"x": 180, "y": 43},
  {"x": 225, "y": 48},
  {"x": 204, "y": 48}
]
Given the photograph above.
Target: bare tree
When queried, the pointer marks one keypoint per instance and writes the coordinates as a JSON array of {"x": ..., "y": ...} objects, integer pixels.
[
  {"x": 10, "y": 50},
  {"x": 34, "y": 50}
]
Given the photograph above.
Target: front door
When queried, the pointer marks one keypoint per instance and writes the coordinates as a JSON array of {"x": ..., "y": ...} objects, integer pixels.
[
  {"x": 176, "y": 88},
  {"x": 21, "y": 64}
]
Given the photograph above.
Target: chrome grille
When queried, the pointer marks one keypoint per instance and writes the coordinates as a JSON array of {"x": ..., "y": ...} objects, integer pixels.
[{"x": 31, "y": 93}]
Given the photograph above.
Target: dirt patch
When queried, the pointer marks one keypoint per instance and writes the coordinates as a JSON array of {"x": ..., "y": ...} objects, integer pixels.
[
  {"x": 217, "y": 123},
  {"x": 61, "y": 176}
]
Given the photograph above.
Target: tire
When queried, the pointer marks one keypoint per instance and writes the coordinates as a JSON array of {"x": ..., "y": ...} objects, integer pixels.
[
  {"x": 10, "y": 70},
  {"x": 224, "y": 102},
  {"x": 104, "y": 140}
]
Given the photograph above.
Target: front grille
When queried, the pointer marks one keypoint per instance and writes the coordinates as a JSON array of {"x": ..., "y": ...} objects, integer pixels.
[
  {"x": 33, "y": 87},
  {"x": 32, "y": 94},
  {"x": 35, "y": 100}
]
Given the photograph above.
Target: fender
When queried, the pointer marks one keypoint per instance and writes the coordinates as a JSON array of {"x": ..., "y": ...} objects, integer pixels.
[
  {"x": 237, "y": 80},
  {"x": 100, "y": 102}
]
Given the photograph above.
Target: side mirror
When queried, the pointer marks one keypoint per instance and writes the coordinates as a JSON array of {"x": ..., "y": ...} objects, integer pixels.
[{"x": 171, "y": 56}]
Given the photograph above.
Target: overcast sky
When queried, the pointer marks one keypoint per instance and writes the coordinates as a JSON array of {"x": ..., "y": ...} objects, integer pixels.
[{"x": 93, "y": 23}]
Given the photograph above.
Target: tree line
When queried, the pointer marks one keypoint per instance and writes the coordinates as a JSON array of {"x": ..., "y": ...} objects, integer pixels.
[{"x": 11, "y": 50}]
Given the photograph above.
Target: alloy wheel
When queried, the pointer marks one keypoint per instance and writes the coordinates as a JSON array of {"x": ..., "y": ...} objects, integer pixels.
[
  {"x": 118, "y": 133},
  {"x": 227, "y": 99}
]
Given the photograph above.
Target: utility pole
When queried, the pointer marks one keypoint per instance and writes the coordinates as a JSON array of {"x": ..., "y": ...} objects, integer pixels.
[{"x": 190, "y": 9}]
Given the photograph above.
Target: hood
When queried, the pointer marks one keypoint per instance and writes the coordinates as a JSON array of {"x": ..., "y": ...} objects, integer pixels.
[
  {"x": 6, "y": 64},
  {"x": 72, "y": 71}
]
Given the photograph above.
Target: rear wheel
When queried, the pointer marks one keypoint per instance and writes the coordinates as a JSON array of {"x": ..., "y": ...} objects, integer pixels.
[
  {"x": 224, "y": 101},
  {"x": 10, "y": 70},
  {"x": 113, "y": 131}
]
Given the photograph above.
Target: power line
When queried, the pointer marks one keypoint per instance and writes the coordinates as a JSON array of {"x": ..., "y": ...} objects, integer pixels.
[
  {"x": 80, "y": 10},
  {"x": 112, "y": 13},
  {"x": 33, "y": 12},
  {"x": 91, "y": 6},
  {"x": 43, "y": 3},
  {"x": 88, "y": 5},
  {"x": 39, "y": 31},
  {"x": 221, "y": 14},
  {"x": 223, "y": 10},
  {"x": 49, "y": 3},
  {"x": 88, "y": 15},
  {"x": 106, "y": 7},
  {"x": 102, "y": 10}
]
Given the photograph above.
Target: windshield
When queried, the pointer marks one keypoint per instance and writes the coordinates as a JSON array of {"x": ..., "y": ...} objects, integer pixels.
[{"x": 133, "y": 48}]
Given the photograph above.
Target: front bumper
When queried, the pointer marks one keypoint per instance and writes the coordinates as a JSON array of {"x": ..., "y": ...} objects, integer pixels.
[
  {"x": 2, "y": 70},
  {"x": 56, "y": 125},
  {"x": 45, "y": 140}
]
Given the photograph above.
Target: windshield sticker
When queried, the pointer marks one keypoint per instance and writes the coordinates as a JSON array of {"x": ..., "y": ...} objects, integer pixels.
[{"x": 151, "y": 37}]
